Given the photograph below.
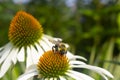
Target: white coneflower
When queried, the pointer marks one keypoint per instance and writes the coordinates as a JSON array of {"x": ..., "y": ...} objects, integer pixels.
[
  {"x": 26, "y": 38},
  {"x": 55, "y": 66}
]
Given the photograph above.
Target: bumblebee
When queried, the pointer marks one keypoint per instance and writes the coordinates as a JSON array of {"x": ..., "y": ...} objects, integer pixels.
[{"x": 59, "y": 47}]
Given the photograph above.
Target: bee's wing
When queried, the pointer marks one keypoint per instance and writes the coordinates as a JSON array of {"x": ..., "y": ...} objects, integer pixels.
[
  {"x": 53, "y": 40},
  {"x": 56, "y": 40}
]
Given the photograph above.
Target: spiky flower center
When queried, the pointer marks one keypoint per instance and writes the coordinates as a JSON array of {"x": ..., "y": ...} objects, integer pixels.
[
  {"x": 24, "y": 30},
  {"x": 53, "y": 64}
]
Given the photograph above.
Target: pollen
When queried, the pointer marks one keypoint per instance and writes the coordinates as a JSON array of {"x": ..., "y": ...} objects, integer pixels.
[
  {"x": 24, "y": 30},
  {"x": 53, "y": 64}
]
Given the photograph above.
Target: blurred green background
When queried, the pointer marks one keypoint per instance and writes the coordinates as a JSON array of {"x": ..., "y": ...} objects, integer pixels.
[{"x": 90, "y": 27}]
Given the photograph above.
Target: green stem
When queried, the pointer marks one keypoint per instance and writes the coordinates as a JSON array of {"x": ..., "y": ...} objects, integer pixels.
[{"x": 92, "y": 56}]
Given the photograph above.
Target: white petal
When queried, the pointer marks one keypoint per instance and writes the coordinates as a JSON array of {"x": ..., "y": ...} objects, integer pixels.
[
  {"x": 46, "y": 79},
  {"x": 103, "y": 71},
  {"x": 72, "y": 57},
  {"x": 5, "y": 48},
  {"x": 28, "y": 75},
  {"x": 47, "y": 41},
  {"x": 62, "y": 78},
  {"x": 32, "y": 56},
  {"x": 5, "y": 52},
  {"x": 21, "y": 55},
  {"x": 69, "y": 55},
  {"x": 29, "y": 58},
  {"x": 73, "y": 76},
  {"x": 35, "y": 55},
  {"x": 103, "y": 76},
  {"x": 45, "y": 46},
  {"x": 31, "y": 68},
  {"x": 1, "y": 48},
  {"x": 76, "y": 62},
  {"x": 40, "y": 50},
  {"x": 99, "y": 70},
  {"x": 7, "y": 63},
  {"x": 81, "y": 75},
  {"x": 14, "y": 57},
  {"x": 53, "y": 79}
]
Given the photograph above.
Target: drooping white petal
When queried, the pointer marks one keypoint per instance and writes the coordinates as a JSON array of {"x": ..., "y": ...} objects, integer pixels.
[
  {"x": 28, "y": 75},
  {"x": 69, "y": 55},
  {"x": 7, "y": 63},
  {"x": 81, "y": 75},
  {"x": 5, "y": 52},
  {"x": 74, "y": 76},
  {"x": 47, "y": 41},
  {"x": 14, "y": 57},
  {"x": 62, "y": 78},
  {"x": 31, "y": 68},
  {"x": 35, "y": 55},
  {"x": 44, "y": 45},
  {"x": 99, "y": 70},
  {"x": 32, "y": 56},
  {"x": 1, "y": 48},
  {"x": 21, "y": 55},
  {"x": 5, "y": 48},
  {"x": 53, "y": 79},
  {"x": 103, "y": 76},
  {"x": 46, "y": 79},
  {"x": 72, "y": 57},
  {"x": 76, "y": 62},
  {"x": 29, "y": 61},
  {"x": 39, "y": 49}
]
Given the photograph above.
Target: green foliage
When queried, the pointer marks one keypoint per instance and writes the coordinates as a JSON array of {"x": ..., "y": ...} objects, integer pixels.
[{"x": 92, "y": 30}]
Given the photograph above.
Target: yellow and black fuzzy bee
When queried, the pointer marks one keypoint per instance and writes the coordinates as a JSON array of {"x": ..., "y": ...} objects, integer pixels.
[{"x": 59, "y": 47}]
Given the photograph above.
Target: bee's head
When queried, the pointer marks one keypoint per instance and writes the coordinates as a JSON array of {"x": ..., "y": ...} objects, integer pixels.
[{"x": 62, "y": 49}]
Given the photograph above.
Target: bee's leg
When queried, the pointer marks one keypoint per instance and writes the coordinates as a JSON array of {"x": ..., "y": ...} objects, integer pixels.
[
  {"x": 56, "y": 47},
  {"x": 53, "y": 48},
  {"x": 65, "y": 52}
]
